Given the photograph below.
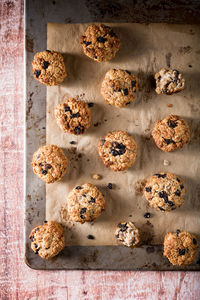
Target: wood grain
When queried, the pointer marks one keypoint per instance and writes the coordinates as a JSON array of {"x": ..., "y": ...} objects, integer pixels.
[{"x": 17, "y": 281}]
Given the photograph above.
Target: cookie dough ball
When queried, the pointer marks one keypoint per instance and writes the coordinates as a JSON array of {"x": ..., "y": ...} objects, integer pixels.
[
  {"x": 171, "y": 133},
  {"x": 49, "y": 67},
  {"x": 100, "y": 43},
  {"x": 119, "y": 87},
  {"x": 47, "y": 240},
  {"x": 85, "y": 203},
  {"x": 73, "y": 116},
  {"x": 118, "y": 150},
  {"x": 49, "y": 163},
  {"x": 169, "y": 82},
  {"x": 180, "y": 247},
  {"x": 165, "y": 191},
  {"x": 127, "y": 234}
]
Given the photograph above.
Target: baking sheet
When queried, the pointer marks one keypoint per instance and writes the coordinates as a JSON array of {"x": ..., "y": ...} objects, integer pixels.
[{"x": 144, "y": 50}]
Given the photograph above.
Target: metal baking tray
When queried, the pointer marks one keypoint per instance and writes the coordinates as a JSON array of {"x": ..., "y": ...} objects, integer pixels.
[{"x": 37, "y": 14}]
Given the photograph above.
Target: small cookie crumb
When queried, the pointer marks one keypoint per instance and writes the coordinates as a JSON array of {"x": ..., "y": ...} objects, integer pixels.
[
  {"x": 166, "y": 162},
  {"x": 96, "y": 176},
  {"x": 127, "y": 234},
  {"x": 170, "y": 105}
]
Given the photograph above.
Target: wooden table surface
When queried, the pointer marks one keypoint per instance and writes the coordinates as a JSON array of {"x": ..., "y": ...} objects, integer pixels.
[{"x": 17, "y": 281}]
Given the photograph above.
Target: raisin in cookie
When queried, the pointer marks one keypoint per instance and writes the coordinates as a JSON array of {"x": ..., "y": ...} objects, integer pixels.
[
  {"x": 180, "y": 247},
  {"x": 169, "y": 82},
  {"x": 47, "y": 240},
  {"x": 73, "y": 116},
  {"x": 165, "y": 191},
  {"x": 118, "y": 150},
  {"x": 171, "y": 133},
  {"x": 49, "y": 163},
  {"x": 85, "y": 203},
  {"x": 119, "y": 87},
  {"x": 49, "y": 67},
  {"x": 100, "y": 43},
  {"x": 127, "y": 234}
]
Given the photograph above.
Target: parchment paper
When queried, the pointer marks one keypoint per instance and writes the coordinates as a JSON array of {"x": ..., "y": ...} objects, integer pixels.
[{"x": 144, "y": 50}]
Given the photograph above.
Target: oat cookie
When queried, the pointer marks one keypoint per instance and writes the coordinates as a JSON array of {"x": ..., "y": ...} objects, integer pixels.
[
  {"x": 165, "y": 191},
  {"x": 127, "y": 234},
  {"x": 73, "y": 116},
  {"x": 100, "y": 43},
  {"x": 169, "y": 82},
  {"x": 49, "y": 67},
  {"x": 47, "y": 240},
  {"x": 85, "y": 203},
  {"x": 49, "y": 163},
  {"x": 118, "y": 150},
  {"x": 119, "y": 87},
  {"x": 180, "y": 247},
  {"x": 171, "y": 133}
]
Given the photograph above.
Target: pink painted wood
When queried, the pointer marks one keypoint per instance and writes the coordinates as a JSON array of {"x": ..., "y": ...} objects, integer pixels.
[{"x": 17, "y": 281}]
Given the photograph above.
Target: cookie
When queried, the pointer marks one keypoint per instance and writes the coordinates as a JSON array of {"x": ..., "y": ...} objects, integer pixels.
[
  {"x": 100, "y": 43},
  {"x": 47, "y": 240},
  {"x": 85, "y": 203},
  {"x": 119, "y": 87},
  {"x": 127, "y": 234},
  {"x": 180, "y": 247},
  {"x": 49, "y": 163},
  {"x": 118, "y": 150},
  {"x": 169, "y": 82},
  {"x": 49, "y": 67},
  {"x": 73, "y": 116},
  {"x": 171, "y": 133},
  {"x": 165, "y": 191}
]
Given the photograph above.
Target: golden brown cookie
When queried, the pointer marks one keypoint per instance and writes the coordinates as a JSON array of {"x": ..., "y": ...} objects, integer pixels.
[
  {"x": 180, "y": 247},
  {"x": 47, "y": 240},
  {"x": 85, "y": 203},
  {"x": 119, "y": 87},
  {"x": 171, "y": 133},
  {"x": 127, "y": 234},
  {"x": 49, "y": 163},
  {"x": 169, "y": 81},
  {"x": 118, "y": 150},
  {"x": 100, "y": 43},
  {"x": 49, "y": 67},
  {"x": 165, "y": 191},
  {"x": 73, "y": 116}
]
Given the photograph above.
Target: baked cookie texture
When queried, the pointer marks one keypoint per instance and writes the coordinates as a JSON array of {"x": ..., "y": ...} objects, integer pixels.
[
  {"x": 127, "y": 234},
  {"x": 73, "y": 116},
  {"x": 118, "y": 150},
  {"x": 47, "y": 240},
  {"x": 49, "y": 163},
  {"x": 171, "y": 133},
  {"x": 119, "y": 87},
  {"x": 100, "y": 43},
  {"x": 48, "y": 67},
  {"x": 165, "y": 191},
  {"x": 180, "y": 247},
  {"x": 169, "y": 82},
  {"x": 85, "y": 203}
]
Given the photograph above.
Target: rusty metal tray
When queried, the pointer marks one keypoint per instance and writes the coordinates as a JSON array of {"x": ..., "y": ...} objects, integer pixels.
[{"x": 37, "y": 15}]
